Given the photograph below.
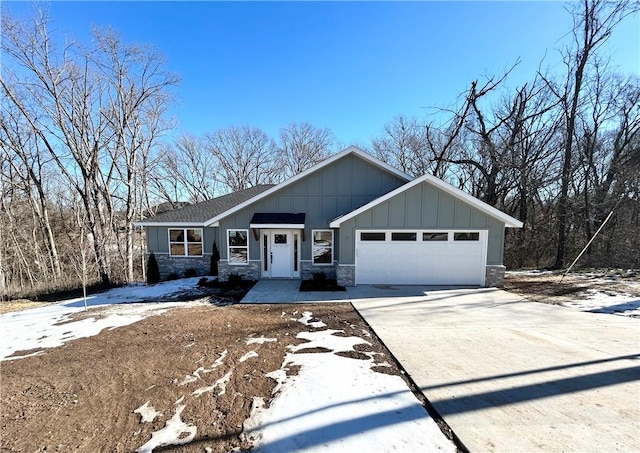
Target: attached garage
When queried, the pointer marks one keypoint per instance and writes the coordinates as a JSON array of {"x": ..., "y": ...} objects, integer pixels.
[
  {"x": 417, "y": 257},
  {"x": 425, "y": 232}
]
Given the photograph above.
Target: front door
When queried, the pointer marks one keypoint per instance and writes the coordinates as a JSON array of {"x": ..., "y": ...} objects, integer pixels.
[{"x": 279, "y": 253}]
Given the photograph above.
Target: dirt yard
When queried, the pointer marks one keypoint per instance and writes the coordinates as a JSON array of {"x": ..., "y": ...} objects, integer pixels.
[
  {"x": 82, "y": 396},
  {"x": 553, "y": 288}
]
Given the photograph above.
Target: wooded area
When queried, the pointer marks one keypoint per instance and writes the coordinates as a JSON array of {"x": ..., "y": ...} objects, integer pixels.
[{"x": 87, "y": 151}]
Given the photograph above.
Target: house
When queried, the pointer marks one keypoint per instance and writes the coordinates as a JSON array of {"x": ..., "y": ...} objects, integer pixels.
[{"x": 352, "y": 216}]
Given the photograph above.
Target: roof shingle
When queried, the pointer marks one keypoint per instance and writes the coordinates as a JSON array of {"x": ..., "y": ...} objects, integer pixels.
[{"x": 205, "y": 210}]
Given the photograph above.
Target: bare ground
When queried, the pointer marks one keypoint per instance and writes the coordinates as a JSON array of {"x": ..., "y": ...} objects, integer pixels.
[
  {"x": 554, "y": 288},
  {"x": 82, "y": 396}
]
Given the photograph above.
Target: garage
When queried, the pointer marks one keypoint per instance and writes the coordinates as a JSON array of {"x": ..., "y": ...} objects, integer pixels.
[{"x": 421, "y": 257}]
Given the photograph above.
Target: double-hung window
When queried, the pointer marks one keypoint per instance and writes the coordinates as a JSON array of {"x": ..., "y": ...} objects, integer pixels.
[
  {"x": 185, "y": 241},
  {"x": 238, "y": 246}
]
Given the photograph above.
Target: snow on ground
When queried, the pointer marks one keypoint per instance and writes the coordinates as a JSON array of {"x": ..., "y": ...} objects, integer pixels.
[
  {"x": 51, "y": 325},
  {"x": 607, "y": 292},
  {"x": 334, "y": 403},
  {"x": 600, "y": 301},
  {"x": 338, "y": 403}
]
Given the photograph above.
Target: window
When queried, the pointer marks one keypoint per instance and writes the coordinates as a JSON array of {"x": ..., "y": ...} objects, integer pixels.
[
  {"x": 238, "y": 246},
  {"x": 185, "y": 241},
  {"x": 441, "y": 236},
  {"x": 404, "y": 236},
  {"x": 279, "y": 238},
  {"x": 372, "y": 236},
  {"x": 322, "y": 247},
  {"x": 466, "y": 236}
]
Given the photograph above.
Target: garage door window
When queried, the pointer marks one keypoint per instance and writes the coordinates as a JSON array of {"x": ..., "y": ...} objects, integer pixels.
[
  {"x": 440, "y": 236},
  {"x": 372, "y": 236},
  {"x": 466, "y": 236},
  {"x": 403, "y": 236}
]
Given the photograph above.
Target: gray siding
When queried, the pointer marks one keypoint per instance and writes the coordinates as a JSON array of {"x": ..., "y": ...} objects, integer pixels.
[
  {"x": 332, "y": 191},
  {"x": 423, "y": 207}
]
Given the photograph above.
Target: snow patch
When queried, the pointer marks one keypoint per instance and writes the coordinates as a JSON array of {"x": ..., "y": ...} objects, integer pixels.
[
  {"x": 307, "y": 316},
  {"x": 175, "y": 432},
  {"x": 327, "y": 339},
  {"x": 52, "y": 325},
  {"x": 599, "y": 301},
  {"x": 366, "y": 414},
  {"x": 147, "y": 413},
  {"x": 260, "y": 340},
  {"x": 220, "y": 383},
  {"x": 196, "y": 374},
  {"x": 248, "y": 355}
]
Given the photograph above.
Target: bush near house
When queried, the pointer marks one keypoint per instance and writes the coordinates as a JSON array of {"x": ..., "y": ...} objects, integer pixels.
[{"x": 153, "y": 272}]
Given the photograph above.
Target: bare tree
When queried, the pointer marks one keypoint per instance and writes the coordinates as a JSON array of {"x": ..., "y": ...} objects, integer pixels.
[
  {"x": 245, "y": 156},
  {"x": 21, "y": 149},
  {"x": 593, "y": 23},
  {"x": 187, "y": 171},
  {"x": 302, "y": 146},
  {"x": 93, "y": 111},
  {"x": 404, "y": 145},
  {"x": 135, "y": 101}
]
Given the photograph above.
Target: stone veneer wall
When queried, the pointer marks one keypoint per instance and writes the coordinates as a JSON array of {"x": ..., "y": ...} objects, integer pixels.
[
  {"x": 249, "y": 272},
  {"x": 168, "y": 264},
  {"x": 494, "y": 276},
  {"x": 346, "y": 275},
  {"x": 308, "y": 269}
]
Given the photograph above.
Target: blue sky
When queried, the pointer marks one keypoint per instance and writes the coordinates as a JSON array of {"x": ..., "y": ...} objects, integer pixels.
[{"x": 348, "y": 66}]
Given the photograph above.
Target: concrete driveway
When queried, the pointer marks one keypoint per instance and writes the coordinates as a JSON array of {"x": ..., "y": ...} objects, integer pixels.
[{"x": 510, "y": 375}]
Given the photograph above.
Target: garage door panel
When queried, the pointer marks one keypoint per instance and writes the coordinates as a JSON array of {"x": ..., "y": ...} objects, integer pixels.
[{"x": 421, "y": 262}]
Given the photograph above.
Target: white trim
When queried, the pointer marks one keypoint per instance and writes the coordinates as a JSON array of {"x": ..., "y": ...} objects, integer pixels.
[
  {"x": 296, "y": 250},
  {"x": 271, "y": 226},
  {"x": 350, "y": 150},
  {"x": 246, "y": 230},
  {"x": 444, "y": 186},
  {"x": 185, "y": 242},
  {"x": 333, "y": 238}
]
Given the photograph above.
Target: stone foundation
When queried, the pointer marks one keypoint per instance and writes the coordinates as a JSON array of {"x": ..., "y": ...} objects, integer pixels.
[
  {"x": 250, "y": 271},
  {"x": 346, "y": 275},
  {"x": 494, "y": 276},
  {"x": 178, "y": 265},
  {"x": 307, "y": 269}
]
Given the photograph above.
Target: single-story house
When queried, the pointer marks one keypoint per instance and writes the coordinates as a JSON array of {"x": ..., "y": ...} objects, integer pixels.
[{"x": 352, "y": 216}]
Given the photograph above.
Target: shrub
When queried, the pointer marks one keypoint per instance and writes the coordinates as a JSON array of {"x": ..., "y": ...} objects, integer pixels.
[
  {"x": 319, "y": 277},
  {"x": 191, "y": 272},
  {"x": 173, "y": 276},
  {"x": 153, "y": 272},
  {"x": 215, "y": 257},
  {"x": 235, "y": 279}
]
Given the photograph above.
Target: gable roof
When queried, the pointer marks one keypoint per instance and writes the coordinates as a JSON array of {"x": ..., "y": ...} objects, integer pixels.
[
  {"x": 445, "y": 187},
  {"x": 196, "y": 214},
  {"x": 351, "y": 150}
]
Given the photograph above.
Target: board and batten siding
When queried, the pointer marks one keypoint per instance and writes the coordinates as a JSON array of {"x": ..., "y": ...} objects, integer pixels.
[
  {"x": 323, "y": 195},
  {"x": 423, "y": 207}
]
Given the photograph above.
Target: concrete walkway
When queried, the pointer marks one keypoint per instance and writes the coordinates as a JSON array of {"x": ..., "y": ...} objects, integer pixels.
[
  {"x": 514, "y": 376},
  {"x": 287, "y": 292}
]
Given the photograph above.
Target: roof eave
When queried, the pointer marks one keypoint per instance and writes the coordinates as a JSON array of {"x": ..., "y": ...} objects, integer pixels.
[
  {"x": 509, "y": 221},
  {"x": 176, "y": 224}
]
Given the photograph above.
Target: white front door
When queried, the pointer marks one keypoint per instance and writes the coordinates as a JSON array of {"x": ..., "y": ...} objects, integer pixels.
[{"x": 279, "y": 253}]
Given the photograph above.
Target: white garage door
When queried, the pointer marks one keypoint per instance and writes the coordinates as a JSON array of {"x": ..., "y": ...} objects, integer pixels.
[{"x": 421, "y": 257}]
